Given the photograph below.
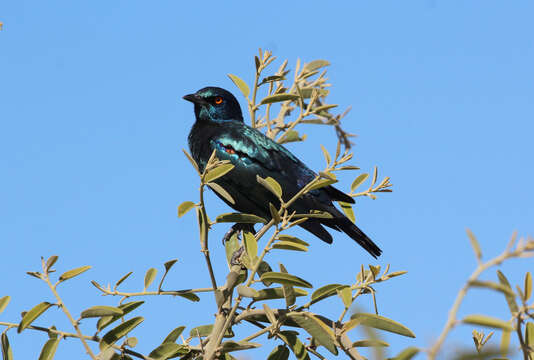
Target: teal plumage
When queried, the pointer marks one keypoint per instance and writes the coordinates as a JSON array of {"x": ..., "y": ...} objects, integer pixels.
[{"x": 219, "y": 126}]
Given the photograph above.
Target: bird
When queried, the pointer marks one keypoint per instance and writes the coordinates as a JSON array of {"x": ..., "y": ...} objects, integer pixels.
[{"x": 219, "y": 126}]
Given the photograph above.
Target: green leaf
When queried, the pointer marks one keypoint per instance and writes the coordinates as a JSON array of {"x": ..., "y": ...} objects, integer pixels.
[
  {"x": 528, "y": 288},
  {"x": 240, "y": 218},
  {"x": 169, "y": 264},
  {"x": 122, "y": 279},
  {"x": 33, "y": 314},
  {"x": 346, "y": 296},
  {"x": 49, "y": 349},
  {"x": 291, "y": 136},
  {"x": 245, "y": 291},
  {"x": 3, "y": 302},
  {"x": 407, "y": 353},
  {"x": 168, "y": 350},
  {"x": 322, "y": 108},
  {"x": 185, "y": 207},
  {"x": 271, "y": 184},
  {"x": 99, "y": 311},
  {"x": 279, "y": 98},
  {"x": 7, "y": 353},
  {"x": 315, "y": 64},
  {"x": 289, "y": 291},
  {"x": 270, "y": 314},
  {"x": 314, "y": 215},
  {"x": 202, "y": 331},
  {"x": 281, "y": 278},
  {"x": 174, "y": 335},
  {"x": 276, "y": 293},
  {"x": 492, "y": 285},
  {"x": 221, "y": 191},
  {"x": 347, "y": 209},
  {"x": 529, "y": 334},
  {"x": 316, "y": 328},
  {"x": 243, "y": 87},
  {"x": 230, "y": 247},
  {"x": 50, "y": 262},
  {"x": 272, "y": 78},
  {"x": 474, "y": 244},
  {"x": 149, "y": 277},
  {"x": 308, "y": 92},
  {"x": 321, "y": 183},
  {"x": 274, "y": 213},
  {"x": 510, "y": 299},
  {"x": 279, "y": 353},
  {"x": 487, "y": 321},
  {"x": 370, "y": 343},
  {"x": 382, "y": 323},
  {"x": 118, "y": 332},
  {"x": 126, "y": 308},
  {"x": 358, "y": 181},
  {"x": 292, "y": 239},
  {"x": 288, "y": 245},
  {"x": 192, "y": 161},
  {"x": 251, "y": 247},
  {"x": 228, "y": 346},
  {"x": 218, "y": 172},
  {"x": 131, "y": 342},
  {"x": 325, "y": 291},
  {"x": 505, "y": 343},
  {"x": 298, "y": 348},
  {"x": 74, "y": 272},
  {"x": 326, "y": 155}
]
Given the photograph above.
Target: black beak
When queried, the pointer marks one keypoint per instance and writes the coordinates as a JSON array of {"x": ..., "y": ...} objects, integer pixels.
[{"x": 195, "y": 99}]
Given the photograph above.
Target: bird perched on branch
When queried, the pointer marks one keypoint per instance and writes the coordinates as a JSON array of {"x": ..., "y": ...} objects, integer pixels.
[{"x": 219, "y": 126}]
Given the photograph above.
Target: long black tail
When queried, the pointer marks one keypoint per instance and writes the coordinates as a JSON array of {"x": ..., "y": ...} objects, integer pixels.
[{"x": 359, "y": 236}]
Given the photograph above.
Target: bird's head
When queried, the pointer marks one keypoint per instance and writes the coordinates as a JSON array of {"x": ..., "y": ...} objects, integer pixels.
[{"x": 215, "y": 104}]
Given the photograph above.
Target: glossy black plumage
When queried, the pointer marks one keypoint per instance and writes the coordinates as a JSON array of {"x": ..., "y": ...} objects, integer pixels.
[{"x": 219, "y": 125}]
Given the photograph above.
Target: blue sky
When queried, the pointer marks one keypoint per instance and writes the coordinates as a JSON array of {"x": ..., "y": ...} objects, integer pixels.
[{"x": 92, "y": 127}]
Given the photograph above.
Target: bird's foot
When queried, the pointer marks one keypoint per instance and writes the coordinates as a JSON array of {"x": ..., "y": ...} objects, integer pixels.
[{"x": 236, "y": 228}]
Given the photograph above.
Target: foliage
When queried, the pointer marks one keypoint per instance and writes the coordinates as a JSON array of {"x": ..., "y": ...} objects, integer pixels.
[{"x": 252, "y": 284}]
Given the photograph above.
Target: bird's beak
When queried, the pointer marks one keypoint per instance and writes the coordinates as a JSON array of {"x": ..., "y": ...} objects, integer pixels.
[{"x": 195, "y": 99}]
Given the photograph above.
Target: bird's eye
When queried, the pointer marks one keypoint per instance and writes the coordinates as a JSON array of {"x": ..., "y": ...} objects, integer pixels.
[{"x": 218, "y": 100}]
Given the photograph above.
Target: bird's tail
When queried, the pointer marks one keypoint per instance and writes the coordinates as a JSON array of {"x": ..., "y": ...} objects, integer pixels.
[{"x": 359, "y": 236}]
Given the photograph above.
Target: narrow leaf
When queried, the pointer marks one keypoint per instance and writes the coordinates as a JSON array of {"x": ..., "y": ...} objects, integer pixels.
[
  {"x": 218, "y": 172},
  {"x": 279, "y": 353},
  {"x": 33, "y": 314},
  {"x": 221, "y": 191},
  {"x": 270, "y": 314},
  {"x": 122, "y": 279},
  {"x": 247, "y": 292},
  {"x": 298, "y": 348},
  {"x": 289, "y": 291},
  {"x": 382, "y": 323},
  {"x": 276, "y": 293},
  {"x": 279, "y": 98},
  {"x": 510, "y": 299},
  {"x": 281, "y": 278},
  {"x": 240, "y": 218},
  {"x": 185, "y": 207},
  {"x": 492, "y": 285},
  {"x": 228, "y": 346},
  {"x": 169, "y": 264},
  {"x": 370, "y": 343},
  {"x": 487, "y": 321},
  {"x": 326, "y": 155},
  {"x": 527, "y": 291},
  {"x": 347, "y": 209},
  {"x": 49, "y": 349},
  {"x": 126, "y": 309},
  {"x": 3, "y": 302},
  {"x": 474, "y": 244},
  {"x": 346, "y": 296},
  {"x": 50, "y": 262},
  {"x": 202, "y": 331},
  {"x": 99, "y": 311},
  {"x": 316, "y": 328},
  {"x": 315, "y": 64},
  {"x": 358, "y": 181},
  {"x": 321, "y": 183},
  {"x": 505, "y": 343},
  {"x": 289, "y": 238},
  {"x": 149, "y": 277},
  {"x": 74, "y": 272},
  {"x": 529, "y": 334},
  {"x": 242, "y": 85},
  {"x": 112, "y": 336},
  {"x": 274, "y": 213},
  {"x": 174, "y": 335},
  {"x": 407, "y": 353},
  {"x": 251, "y": 246},
  {"x": 192, "y": 161},
  {"x": 325, "y": 291},
  {"x": 271, "y": 184},
  {"x": 288, "y": 245},
  {"x": 7, "y": 353},
  {"x": 168, "y": 350}
]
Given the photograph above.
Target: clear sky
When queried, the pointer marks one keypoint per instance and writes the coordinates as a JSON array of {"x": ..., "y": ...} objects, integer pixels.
[{"x": 92, "y": 125}]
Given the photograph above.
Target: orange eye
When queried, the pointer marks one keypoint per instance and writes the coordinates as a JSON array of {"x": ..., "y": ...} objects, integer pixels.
[{"x": 218, "y": 100}]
